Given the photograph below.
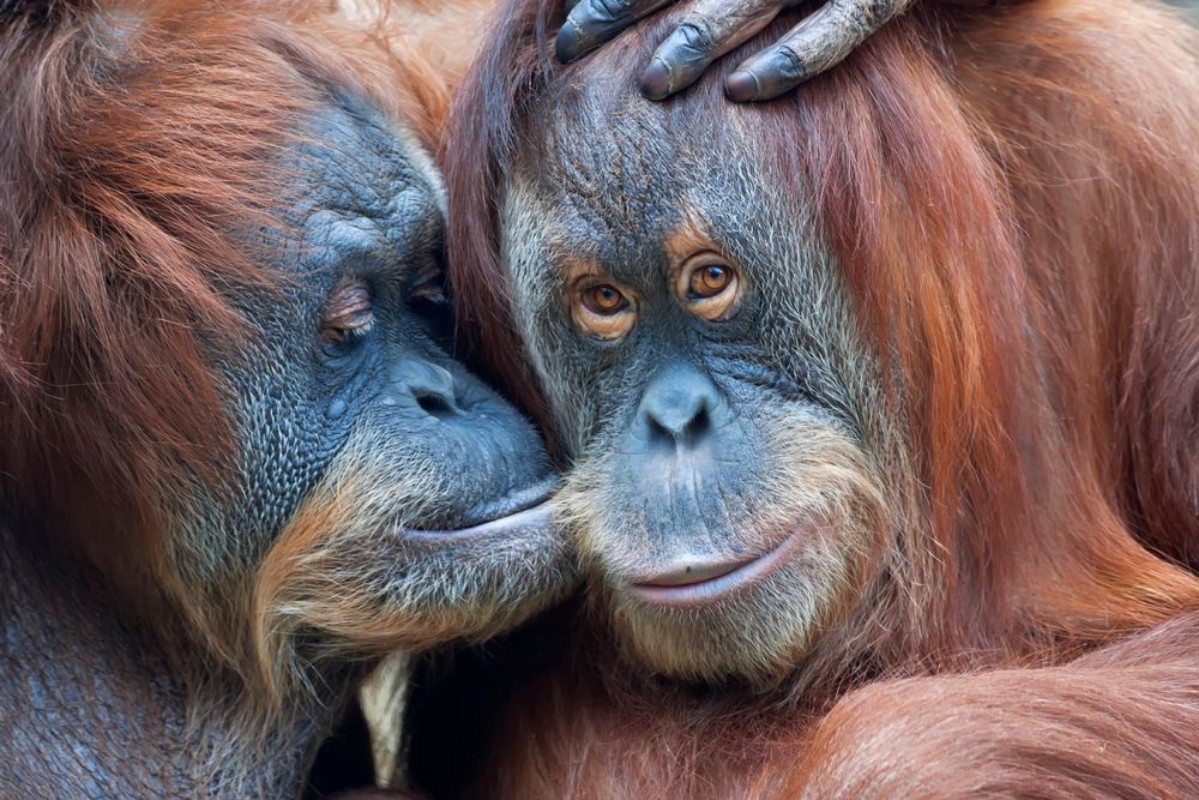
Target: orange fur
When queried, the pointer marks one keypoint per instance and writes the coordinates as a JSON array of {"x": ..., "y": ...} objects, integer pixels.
[{"x": 1010, "y": 194}]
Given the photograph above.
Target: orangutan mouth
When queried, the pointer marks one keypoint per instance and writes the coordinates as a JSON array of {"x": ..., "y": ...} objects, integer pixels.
[{"x": 696, "y": 583}]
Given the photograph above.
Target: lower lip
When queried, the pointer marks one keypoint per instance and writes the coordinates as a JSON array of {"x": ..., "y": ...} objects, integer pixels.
[
  {"x": 520, "y": 500},
  {"x": 539, "y": 516},
  {"x": 704, "y": 593}
]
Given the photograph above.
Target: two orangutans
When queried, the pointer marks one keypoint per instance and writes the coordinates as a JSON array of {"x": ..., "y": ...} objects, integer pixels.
[
  {"x": 879, "y": 402},
  {"x": 238, "y": 460},
  {"x": 875, "y": 399}
]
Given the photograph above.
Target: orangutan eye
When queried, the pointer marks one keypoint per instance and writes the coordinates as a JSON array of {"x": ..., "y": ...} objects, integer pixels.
[
  {"x": 349, "y": 312},
  {"x": 709, "y": 281},
  {"x": 428, "y": 286},
  {"x": 602, "y": 309},
  {"x": 604, "y": 300},
  {"x": 430, "y": 291},
  {"x": 428, "y": 298},
  {"x": 709, "y": 287}
]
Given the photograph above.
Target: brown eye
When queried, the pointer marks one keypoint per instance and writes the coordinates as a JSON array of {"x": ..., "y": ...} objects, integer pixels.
[
  {"x": 349, "y": 312},
  {"x": 602, "y": 309},
  {"x": 709, "y": 281},
  {"x": 709, "y": 287},
  {"x": 604, "y": 299}
]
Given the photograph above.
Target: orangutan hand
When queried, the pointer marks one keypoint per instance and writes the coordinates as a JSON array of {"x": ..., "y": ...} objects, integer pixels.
[{"x": 712, "y": 28}]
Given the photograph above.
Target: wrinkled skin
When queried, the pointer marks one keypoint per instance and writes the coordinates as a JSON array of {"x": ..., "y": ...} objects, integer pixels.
[{"x": 383, "y": 400}]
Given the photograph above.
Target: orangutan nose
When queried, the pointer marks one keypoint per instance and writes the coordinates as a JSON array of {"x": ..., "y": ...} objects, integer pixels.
[
  {"x": 678, "y": 409},
  {"x": 431, "y": 386}
]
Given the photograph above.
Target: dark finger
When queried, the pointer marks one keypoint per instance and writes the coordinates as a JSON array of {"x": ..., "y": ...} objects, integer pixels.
[
  {"x": 711, "y": 29},
  {"x": 592, "y": 22},
  {"x": 817, "y": 43}
]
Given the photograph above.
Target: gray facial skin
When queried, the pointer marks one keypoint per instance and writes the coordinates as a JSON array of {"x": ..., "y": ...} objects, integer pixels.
[
  {"x": 382, "y": 428},
  {"x": 381, "y": 498},
  {"x": 368, "y": 209},
  {"x": 721, "y": 488}
]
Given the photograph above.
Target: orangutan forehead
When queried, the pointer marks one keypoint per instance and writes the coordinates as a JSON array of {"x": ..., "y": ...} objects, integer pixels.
[
  {"x": 628, "y": 209},
  {"x": 601, "y": 151},
  {"x": 564, "y": 239},
  {"x": 359, "y": 193},
  {"x": 368, "y": 158}
]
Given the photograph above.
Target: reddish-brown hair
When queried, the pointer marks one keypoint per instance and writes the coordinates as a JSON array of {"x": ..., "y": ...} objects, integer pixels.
[{"x": 1011, "y": 195}]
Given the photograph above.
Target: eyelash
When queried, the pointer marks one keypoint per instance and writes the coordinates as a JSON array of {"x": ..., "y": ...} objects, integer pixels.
[
  {"x": 349, "y": 316},
  {"x": 428, "y": 287}
]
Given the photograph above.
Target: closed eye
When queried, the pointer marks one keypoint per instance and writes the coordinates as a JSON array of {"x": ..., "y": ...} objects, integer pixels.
[
  {"x": 427, "y": 295},
  {"x": 349, "y": 312}
]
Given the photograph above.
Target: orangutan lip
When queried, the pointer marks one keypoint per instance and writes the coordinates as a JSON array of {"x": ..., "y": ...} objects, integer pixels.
[
  {"x": 713, "y": 581},
  {"x": 520, "y": 509},
  {"x": 514, "y": 502},
  {"x": 690, "y": 574},
  {"x": 537, "y": 517}
]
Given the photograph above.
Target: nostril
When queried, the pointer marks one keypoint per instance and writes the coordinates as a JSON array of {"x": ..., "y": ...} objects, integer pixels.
[
  {"x": 431, "y": 386},
  {"x": 436, "y": 405},
  {"x": 656, "y": 429},
  {"x": 700, "y": 424},
  {"x": 680, "y": 426}
]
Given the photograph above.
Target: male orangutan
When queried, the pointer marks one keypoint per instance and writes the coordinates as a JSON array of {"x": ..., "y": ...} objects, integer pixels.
[
  {"x": 237, "y": 461},
  {"x": 880, "y": 381}
]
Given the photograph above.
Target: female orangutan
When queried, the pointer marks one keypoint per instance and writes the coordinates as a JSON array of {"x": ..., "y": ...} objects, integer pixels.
[{"x": 873, "y": 396}]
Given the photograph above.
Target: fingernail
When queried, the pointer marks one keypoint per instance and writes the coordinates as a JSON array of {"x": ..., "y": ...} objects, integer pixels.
[
  {"x": 741, "y": 86},
  {"x": 655, "y": 81},
  {"x": 566, "y": 43}
]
